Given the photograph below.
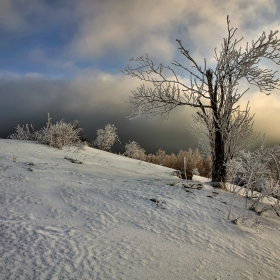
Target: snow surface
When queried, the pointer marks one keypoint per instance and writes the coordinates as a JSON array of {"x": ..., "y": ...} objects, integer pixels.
[{"x": 95, "y": 220}]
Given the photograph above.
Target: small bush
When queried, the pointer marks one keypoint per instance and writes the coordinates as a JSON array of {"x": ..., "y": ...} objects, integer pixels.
[
  {"x": 133, "y": 150},
  {"x": 56, "y": 135},
  {"x": 106, "y": 137},
  {"x": 253, "y": 171},
  {"x": 22, "y": 133}
]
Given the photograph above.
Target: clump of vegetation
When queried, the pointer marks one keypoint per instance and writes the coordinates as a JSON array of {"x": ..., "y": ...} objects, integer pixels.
[
  {"x": 196, "y": 163},
  {"x": 56, "y": 135},
  {"x": 258, "y": 174},
  {"x": 133, "y": 150},
  {"x": 106, "y": 137}
]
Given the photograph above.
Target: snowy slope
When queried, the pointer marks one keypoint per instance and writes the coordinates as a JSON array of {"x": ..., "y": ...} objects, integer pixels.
[{"x": 96, "y": 220}]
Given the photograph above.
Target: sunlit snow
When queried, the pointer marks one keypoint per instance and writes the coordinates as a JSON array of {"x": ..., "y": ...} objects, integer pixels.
[{"x": 96, "y": 215}]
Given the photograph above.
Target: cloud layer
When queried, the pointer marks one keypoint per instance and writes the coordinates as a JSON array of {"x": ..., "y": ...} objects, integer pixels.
[{"x": 64, "y": 57}]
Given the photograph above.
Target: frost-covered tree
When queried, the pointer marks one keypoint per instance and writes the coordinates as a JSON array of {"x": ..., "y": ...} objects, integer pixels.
[
  {"x": 106, "y": 137},
  {"x": 133, "y": 150},
  {"x": 212, "y": 91}
]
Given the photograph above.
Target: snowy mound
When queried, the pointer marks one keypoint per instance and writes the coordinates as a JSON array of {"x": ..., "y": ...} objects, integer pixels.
[{"x": 96, "y": 215}]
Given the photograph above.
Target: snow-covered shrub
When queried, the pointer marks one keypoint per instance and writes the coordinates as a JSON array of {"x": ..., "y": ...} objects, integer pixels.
[
  {"x": 253, "y": 172},
  {"x": 133, "y": 150},
  {"x": 56, "y": 135},
  {"x": 59, "y": 134},
  {"x": 161, "y": 156},
  {"x": 106, "y": 137},
  {"x": 22, "y": 133}
]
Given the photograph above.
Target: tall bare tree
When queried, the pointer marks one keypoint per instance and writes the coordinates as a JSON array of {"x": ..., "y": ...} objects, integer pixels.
[{"x": 214, "y": 92}]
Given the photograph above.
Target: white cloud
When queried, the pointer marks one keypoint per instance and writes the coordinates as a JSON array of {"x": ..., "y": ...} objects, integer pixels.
[
  {"x": 129, "y": 26},
  {"x": 110, "y": 27}
]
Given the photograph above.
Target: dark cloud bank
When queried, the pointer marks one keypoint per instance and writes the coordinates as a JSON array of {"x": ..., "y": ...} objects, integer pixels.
[
  {"x": 95, "y": 104},
  {"x": 28, "y": 100}
]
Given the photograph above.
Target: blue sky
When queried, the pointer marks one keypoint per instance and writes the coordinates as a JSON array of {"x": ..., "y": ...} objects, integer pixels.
[{"x": 64, "y": 57}]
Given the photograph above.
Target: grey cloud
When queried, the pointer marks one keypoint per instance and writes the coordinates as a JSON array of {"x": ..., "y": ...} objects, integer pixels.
[
  {"x": 94, "y": 103},
  {"x": 101, "y": 98},
  {"x": 23, "y": 18},
  {"x": 127, "y": 26}
]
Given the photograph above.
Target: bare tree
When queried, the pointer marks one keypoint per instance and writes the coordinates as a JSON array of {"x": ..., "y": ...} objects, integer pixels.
[{"x": 214, "y": 92}]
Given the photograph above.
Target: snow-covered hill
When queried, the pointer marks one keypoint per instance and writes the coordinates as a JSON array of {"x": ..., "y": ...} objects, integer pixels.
[{"x": 96, "y": 215}]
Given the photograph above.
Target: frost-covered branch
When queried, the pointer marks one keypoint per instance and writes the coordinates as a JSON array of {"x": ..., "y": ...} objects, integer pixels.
[{"x": 166, "y": 93}]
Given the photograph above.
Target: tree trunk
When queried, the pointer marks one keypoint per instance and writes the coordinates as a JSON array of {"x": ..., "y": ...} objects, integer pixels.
[
  {"x": 218, "y": 161},
  {"x": 218, "y": 153}
]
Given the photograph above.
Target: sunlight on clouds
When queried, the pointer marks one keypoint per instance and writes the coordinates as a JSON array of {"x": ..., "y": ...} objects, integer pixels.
[
  {"x": 130, "y": 26},
  {"x": 209, "y": 31},
  {"x": 105, "y": 28},
  {"x": 138, "y": 29},
  {"x": 267, "y": 116},
  {"x": 266, "y": 110},
  {"x": 159, "y": 47}
]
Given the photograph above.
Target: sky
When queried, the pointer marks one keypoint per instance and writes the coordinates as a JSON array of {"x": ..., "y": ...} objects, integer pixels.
[{"x": 64, "y": 58}]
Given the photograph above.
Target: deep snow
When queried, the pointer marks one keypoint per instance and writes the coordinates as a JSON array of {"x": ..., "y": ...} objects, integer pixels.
[{"x": 96, "y": 220}]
